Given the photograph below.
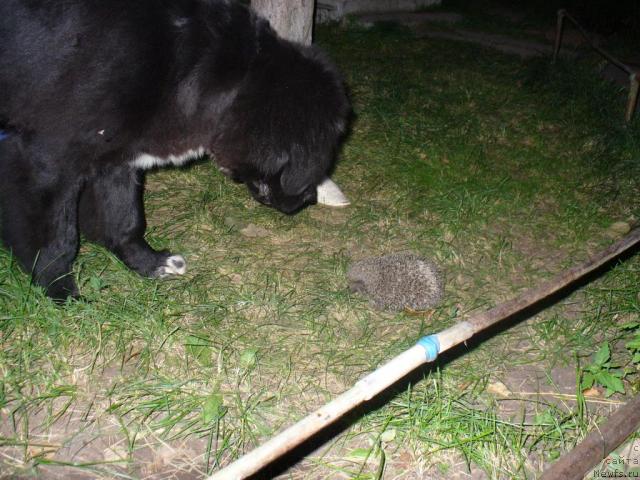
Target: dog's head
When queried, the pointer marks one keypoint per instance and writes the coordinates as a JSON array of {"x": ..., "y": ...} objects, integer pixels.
[
  {"x": 270, "y": 192},
  {"x": 281, "y": 134}
]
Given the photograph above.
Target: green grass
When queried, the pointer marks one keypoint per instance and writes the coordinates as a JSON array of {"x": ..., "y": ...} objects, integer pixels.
[{"x": 503, "y": 172}]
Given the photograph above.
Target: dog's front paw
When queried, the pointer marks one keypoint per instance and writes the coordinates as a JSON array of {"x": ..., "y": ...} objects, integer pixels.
[
  {"x": 61, "y": 289},
  {"x": 173, "y": 265}
]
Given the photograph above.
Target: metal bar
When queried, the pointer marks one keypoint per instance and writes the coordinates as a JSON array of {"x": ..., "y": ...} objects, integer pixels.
[
  {"x": 602, "y": 52},
  {"x": 634, "y": 86},
  {"x": 633, "y": 78},
  {"x": 559, "y": 25}
]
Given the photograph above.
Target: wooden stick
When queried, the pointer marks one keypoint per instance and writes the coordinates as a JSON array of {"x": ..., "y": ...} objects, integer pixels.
[
  {"x": 598, "y": 444},
  {"x": 409, "y": 360}
]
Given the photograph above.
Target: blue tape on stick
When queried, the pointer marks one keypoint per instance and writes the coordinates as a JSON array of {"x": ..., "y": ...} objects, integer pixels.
[{"x": 431, "y": 347}]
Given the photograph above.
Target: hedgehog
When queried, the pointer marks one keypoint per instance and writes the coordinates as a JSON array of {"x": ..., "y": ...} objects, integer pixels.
[{"x": 397, "y": 281}]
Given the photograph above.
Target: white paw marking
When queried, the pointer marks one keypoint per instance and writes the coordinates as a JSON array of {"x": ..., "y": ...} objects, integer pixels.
[
  {"x": 174, "y": 265},
  {"x": 224, "y": 171}
]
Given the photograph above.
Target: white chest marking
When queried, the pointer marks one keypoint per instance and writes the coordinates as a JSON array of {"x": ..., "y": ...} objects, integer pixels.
[{"x": 146, "y": 161}]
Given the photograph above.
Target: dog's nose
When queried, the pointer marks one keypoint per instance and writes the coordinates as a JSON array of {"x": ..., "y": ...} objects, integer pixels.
[
  {"x": 261, "y": 192},
  {"x": 310, "y": 197}
]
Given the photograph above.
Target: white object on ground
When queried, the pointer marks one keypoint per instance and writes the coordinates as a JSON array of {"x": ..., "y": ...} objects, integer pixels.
[{"x": 330, "y": 194}]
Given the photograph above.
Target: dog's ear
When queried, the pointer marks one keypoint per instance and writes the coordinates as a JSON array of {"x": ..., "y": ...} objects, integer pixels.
[
  {"x": 297, "y": 176},
  {"x": 294, "y": 169},
  {"x": 292, "y": 180}
]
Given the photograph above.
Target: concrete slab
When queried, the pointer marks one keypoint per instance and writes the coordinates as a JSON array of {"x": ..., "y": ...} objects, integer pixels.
[
  {"x": 421, "y": 23},
  {"x": 502, "y": 43},
  {"x": 335, "y": 10},
  {"x": 409, "y": 18}
]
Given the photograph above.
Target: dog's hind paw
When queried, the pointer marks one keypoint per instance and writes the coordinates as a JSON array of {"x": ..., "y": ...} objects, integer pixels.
[{"x": 173, "y": 265}]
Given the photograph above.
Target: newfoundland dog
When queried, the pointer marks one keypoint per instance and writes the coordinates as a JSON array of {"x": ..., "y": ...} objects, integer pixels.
[{"x": 94, "y": 92}]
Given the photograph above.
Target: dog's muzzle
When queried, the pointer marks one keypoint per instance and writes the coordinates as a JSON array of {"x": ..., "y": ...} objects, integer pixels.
[{"x": 261, "y": 192}]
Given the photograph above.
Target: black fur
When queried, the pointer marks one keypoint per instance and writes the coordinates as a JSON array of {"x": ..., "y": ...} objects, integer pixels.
[{"x": 89, "y": 86}]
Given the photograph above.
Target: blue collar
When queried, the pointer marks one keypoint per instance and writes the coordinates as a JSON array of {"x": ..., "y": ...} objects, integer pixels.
[{"x": 3, "y": 135}]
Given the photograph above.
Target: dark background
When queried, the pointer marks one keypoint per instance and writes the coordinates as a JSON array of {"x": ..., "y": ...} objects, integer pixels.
[{"x": 605, "y": 17}]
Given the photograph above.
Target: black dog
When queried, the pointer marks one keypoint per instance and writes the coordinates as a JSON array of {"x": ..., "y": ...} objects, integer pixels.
[{"x": 93, "y": 92}]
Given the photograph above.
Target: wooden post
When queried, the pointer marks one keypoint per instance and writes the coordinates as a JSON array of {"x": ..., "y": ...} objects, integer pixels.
[{"x": 292, "y": 19}]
